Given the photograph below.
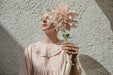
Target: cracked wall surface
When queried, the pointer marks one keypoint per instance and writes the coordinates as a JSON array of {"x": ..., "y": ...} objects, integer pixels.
[{"x": 20, "y": 26}]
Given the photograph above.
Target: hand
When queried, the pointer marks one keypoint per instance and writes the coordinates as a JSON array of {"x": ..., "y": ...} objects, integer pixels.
[{"x": 71, "y": 48}]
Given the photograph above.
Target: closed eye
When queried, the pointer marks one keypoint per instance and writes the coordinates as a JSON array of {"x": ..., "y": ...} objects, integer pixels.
[{"x": 45, "y": 18}]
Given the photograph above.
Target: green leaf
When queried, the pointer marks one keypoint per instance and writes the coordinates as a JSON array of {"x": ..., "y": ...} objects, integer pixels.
[{"x": 66, "y": 36}]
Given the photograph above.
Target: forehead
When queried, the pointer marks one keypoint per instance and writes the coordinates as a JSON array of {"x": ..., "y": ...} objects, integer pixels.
[{"x": 45, "y": 14}]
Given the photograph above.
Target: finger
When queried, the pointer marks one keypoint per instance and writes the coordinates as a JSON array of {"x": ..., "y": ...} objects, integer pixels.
[
  {"x": 67, "y": 42},
  {"x": 70, "y": 45},
  {"x": 71, "y": 52},
  {"x": 70, "y": 49}
]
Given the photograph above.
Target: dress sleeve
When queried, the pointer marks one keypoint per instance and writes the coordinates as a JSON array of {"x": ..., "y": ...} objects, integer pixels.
[
  {"x": 27, "y": 68},
  {"x": 76, "y": 70}
]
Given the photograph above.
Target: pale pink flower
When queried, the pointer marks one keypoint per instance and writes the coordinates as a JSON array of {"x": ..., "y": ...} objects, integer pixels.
[{"x": 63, "y": 17}]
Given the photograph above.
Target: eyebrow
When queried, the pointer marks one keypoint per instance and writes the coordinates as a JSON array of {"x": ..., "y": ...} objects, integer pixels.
[{"x": 46, "y": 17}]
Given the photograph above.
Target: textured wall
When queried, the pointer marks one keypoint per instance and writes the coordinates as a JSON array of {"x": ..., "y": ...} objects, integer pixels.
[{"x": 20, "y": 26}]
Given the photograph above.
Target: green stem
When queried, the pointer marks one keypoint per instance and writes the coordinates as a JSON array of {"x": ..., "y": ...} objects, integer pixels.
[
  {"x": 65, "y": 61},
  {"x": 65, "y": 65}
]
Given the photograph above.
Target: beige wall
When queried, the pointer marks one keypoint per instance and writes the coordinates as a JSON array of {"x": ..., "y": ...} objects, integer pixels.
[{"x": 20, "y": 26}]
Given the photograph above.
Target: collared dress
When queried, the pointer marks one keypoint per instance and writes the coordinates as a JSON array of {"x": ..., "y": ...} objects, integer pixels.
[{"x": 46, "y": 59}]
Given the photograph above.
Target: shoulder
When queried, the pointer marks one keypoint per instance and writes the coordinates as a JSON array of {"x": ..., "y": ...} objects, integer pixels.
[{"x": 30, "y": 47}]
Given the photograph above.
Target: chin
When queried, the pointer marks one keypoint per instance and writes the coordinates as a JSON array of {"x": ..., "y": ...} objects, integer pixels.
[{"x": 44, "y": 29}]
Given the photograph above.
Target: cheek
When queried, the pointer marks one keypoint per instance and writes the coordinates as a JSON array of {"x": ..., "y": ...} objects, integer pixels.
[{"x": 49, "y": 23}]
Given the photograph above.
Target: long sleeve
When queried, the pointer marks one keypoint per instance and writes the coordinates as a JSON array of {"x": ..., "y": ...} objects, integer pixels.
[
  {"x": 76, "y": 70},
  {"x": 27, "y": 68}
]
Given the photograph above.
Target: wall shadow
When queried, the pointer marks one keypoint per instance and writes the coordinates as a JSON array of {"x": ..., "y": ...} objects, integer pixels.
[
  {"x": 107, "y": 8},
  {"x": 91, "y": 66},
  {"x": 11, "y": 54}
]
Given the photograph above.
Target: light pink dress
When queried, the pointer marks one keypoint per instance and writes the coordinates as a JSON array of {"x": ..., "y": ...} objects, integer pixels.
[{"x": 45, "y": 59}]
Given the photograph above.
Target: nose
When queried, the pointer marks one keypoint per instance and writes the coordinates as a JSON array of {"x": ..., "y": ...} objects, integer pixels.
[{"x": 44, "y": 21}]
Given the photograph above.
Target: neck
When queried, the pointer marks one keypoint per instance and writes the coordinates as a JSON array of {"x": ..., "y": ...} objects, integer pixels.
[{"x": 51, "y": 37}]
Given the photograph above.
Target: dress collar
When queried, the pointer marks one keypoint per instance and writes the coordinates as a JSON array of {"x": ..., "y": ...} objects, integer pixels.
[{"x": 47, "y": 50}]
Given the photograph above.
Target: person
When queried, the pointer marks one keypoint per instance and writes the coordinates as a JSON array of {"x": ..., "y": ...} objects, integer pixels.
[{"x": 47, "y": 57}]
